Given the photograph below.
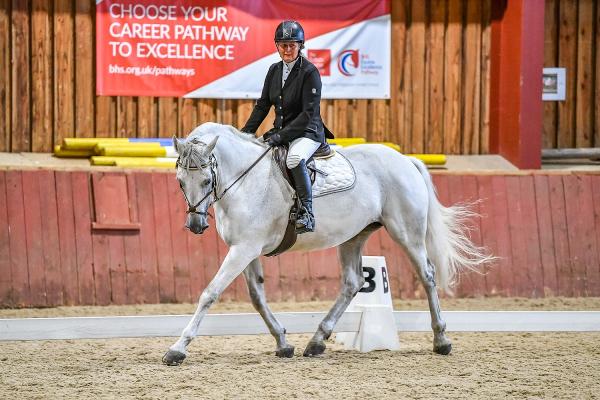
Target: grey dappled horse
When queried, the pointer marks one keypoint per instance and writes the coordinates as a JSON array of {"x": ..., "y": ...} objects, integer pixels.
[{"x": 391, "y": 190}]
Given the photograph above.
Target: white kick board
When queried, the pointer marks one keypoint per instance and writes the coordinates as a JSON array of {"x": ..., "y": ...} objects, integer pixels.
[{"x": 294, "y": 322}]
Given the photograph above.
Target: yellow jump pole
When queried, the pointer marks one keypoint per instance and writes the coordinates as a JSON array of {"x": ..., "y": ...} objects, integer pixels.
[
  {"x": 88, "y": 143},
  {"x": 102, "y": 146},
  {"x": 346, "y": 141},
  {"x": 430, "y": 159},
  {"x": 60, "y": 152},
  {"x": 137, "y": 162},
  {"x": 134, "y": 151},
  {"x": 101, "y": 160},
  {"x": 132, "y": 161}
]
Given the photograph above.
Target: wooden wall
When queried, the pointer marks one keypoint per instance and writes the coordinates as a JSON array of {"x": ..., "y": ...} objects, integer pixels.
[
  {"x": 440, "y": 83},
  {"x": 545, "y": 227},
  {"x": 572, "y": 41}
]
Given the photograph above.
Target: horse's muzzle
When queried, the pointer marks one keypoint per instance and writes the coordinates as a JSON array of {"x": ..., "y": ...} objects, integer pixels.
[
  {"x": 197, "y": 229},
  {"x": 196, "y": 224}
]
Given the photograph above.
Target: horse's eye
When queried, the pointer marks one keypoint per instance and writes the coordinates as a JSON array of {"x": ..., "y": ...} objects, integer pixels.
[{"x": 206, "y": 182}]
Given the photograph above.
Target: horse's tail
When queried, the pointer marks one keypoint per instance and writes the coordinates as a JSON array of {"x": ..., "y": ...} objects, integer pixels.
[{"x": 447, "y": 240}]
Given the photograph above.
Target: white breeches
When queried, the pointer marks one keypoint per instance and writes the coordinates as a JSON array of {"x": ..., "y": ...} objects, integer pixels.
[{"x": 300, "y": 149}]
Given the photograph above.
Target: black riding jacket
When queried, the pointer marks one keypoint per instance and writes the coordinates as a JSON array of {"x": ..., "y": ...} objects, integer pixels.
[{"x": 297, "y": 104}]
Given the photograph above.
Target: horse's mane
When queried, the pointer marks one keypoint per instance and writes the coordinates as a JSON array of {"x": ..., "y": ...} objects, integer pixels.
[
  {"x": 192, "y": 156},
  {"x": 209, "y": 128}
]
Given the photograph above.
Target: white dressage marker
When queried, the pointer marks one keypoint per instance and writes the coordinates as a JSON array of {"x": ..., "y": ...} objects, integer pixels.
[
  {"x": 374, "y": 300},
  {"x": 295, "y": 322}
]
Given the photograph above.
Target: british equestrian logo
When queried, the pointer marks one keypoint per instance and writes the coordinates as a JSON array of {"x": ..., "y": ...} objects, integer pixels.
[{"x": 348, "y": 62}]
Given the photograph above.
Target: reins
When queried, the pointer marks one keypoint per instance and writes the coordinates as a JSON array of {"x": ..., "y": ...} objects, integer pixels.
[{"x": 212, "y": 163}]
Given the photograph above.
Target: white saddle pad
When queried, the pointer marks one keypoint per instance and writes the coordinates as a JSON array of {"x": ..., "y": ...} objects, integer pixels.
[{"x": 339, "y": 176}]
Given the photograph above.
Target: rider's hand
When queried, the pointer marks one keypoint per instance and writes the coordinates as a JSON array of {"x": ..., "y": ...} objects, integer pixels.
[
  {"x": 274, "y": 140},
  {"x": 270, "y": 132}
]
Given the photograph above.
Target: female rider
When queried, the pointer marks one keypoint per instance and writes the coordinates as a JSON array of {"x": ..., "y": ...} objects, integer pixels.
[{"x": 293, "y": 86}]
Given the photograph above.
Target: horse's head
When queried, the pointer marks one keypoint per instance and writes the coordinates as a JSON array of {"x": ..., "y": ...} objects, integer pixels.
[{"x": 196, "y": 175}]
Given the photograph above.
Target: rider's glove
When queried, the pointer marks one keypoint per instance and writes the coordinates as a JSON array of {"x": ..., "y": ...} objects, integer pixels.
[{"x": 275, "y": 140}]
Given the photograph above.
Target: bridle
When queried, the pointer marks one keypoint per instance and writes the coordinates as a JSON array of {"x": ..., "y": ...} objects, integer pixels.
[{"x": 213, "y": 164}]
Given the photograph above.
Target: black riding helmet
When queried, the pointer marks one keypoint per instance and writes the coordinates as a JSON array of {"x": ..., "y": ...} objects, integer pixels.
[{"x": 289, "y": 31}]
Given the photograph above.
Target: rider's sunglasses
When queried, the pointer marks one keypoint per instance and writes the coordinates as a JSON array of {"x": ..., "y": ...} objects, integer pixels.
[{"x": 287, "y": 45}]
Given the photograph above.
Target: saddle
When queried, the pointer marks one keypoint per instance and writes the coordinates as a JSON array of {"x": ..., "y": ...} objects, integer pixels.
[
  {"x": 280, "y": 156},
  {"x": 329, "y": 171}
]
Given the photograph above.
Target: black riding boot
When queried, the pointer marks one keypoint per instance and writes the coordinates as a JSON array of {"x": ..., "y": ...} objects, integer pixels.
[{"x": 306, "y": 220}]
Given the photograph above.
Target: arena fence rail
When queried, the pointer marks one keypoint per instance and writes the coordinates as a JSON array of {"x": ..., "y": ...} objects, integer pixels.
[{"x": 295, "y": 322}]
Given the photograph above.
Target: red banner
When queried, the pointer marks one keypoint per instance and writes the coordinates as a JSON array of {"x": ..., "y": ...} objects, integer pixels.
[{"x": 172, "y": 48}]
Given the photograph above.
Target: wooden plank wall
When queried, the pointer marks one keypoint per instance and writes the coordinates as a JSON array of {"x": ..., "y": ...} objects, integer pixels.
[
  {"x": 572, "y": 41},
  {"x": 440, "y": 83},
  {"x": 544, "y": 227}
]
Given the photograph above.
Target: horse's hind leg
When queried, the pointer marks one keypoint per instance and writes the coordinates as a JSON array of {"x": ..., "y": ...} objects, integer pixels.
[
  {"x": 254, "y": 280},
  {"x": 441, "y": 343},
  {"x": 426, "y": 272},
  {"x": 352, "y": 280}
]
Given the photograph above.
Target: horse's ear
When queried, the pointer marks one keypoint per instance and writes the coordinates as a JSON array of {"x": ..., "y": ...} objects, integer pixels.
[
  {"x": 211, "y": 146},
  {"x": 177, "y": 145}
]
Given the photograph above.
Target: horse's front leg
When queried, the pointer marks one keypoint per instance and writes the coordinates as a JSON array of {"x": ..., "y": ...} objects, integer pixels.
[{"x": 235, "y": 262}]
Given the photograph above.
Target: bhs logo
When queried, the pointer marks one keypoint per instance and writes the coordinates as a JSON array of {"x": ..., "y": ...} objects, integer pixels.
[{"x": 348, "y": 62}]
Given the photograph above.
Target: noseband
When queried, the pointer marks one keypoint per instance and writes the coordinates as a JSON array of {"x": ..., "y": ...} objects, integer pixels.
[{"x": 212, "y": 163}]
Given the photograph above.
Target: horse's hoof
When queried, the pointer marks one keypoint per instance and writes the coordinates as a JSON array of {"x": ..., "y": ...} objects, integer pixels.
[
  {"x": 173, "y": 358},
  {"x": 314, "y": 349},
  {"x": 285, "y": 352},
  {"x": 443, "y": 349}
]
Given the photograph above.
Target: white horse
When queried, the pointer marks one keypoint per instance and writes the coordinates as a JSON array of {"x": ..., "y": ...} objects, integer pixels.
[{"x": 391, "y": 190}]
